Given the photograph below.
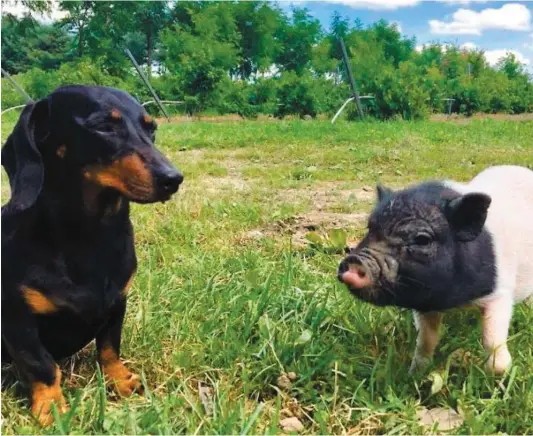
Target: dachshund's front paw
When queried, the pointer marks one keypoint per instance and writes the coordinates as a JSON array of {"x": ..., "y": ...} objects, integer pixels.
[
  {"x": 117, "y": 375},
  {"x": 128, "y": 384},
  {"x": 43, "y": 396}
]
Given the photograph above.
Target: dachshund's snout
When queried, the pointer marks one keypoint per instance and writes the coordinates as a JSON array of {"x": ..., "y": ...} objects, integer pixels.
[{"x": 169, "y": 180}]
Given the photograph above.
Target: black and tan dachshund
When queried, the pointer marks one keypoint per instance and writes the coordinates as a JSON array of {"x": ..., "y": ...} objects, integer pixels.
[{"x": 75, "y": 160}]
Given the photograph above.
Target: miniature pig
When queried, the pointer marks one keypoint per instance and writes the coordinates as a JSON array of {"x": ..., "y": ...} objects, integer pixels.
[{"x": 441, "y": 245}]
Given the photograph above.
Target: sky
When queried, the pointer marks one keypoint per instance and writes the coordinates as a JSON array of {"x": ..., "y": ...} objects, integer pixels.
[{"x": 496, "y": 27}]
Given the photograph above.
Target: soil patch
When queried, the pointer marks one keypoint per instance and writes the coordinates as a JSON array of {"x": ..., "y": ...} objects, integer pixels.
[
  {"x": 462, "y": 119},
  {"x": 299, "y": 226},
  {"x": 326, "y": 195}
]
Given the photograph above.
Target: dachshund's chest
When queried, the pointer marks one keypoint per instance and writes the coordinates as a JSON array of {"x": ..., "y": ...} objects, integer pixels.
[
  {"x": 84, "y": 278},
  {"x": 98, "y": 275}
]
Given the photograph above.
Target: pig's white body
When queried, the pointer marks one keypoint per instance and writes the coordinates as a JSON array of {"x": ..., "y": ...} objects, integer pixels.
[{"x": 510, "y": 224}]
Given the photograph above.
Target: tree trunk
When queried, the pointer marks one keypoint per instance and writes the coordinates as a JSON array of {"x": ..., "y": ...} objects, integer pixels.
[
  {"x": 149, "y": 50},
  {"x": 81, "y": 39}
]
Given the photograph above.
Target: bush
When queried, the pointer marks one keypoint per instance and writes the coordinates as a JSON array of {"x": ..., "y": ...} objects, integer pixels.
[
  {"x": 306, "y": 95},
  {"x": 264, "y": 95},
  {"x": 38, "y": 83},
  {"x": 35, "y": 82},
  {"x": 399, "y": 93}
]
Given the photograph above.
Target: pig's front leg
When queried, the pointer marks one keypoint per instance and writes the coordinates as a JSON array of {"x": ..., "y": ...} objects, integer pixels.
[
  {"x": 428, "y": 326},
  {"x": 496, "y": 316}
]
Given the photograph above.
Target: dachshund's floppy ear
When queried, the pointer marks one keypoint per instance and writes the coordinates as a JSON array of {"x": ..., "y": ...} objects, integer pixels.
[{"x": 22, "y": 159}]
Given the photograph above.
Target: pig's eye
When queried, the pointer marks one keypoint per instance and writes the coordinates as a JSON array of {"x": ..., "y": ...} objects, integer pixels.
[{"x": 422, "y": 239}]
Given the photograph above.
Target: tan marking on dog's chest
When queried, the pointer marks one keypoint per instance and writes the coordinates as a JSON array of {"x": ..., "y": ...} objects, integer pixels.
[{"x": 38, "y": 302}]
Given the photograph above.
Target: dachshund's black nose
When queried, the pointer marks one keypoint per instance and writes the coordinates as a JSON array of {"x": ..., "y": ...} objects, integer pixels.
[{"x": 170, "y": 181}]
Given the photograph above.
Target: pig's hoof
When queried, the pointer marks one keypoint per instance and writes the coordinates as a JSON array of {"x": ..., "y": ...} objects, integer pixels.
[{"x": 499, "y": 362}]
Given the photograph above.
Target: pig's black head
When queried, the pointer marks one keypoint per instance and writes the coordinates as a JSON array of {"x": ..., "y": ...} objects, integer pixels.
[{"x": 426, "y": 248}]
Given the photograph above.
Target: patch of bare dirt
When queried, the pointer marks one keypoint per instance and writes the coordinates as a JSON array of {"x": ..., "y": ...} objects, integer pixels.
[
  {"x": 193, "y": 118},
  {"x": 328, "y": 194},
  {"x": 216, "y": 184},
  {"x": 230, "y": 118},
  {"x": 462, "y": 119},
  {"x": 300, "y": 225}
]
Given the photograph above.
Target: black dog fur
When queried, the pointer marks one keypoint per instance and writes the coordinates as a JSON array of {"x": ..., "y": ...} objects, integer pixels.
[{"x": 75, "y": 160}]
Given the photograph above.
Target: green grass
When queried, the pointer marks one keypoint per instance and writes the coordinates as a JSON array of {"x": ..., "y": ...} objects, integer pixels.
[{"x": 212, "y": 306}]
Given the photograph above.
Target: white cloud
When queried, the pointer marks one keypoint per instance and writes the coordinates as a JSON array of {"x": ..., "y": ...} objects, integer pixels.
[
  {"x": 394, "y": 4},
  {"x": 376, "y": 4},
  {"x": 461, "y": 2},
  {"x": 398, "y": 26},
  {"x": 529, "y": 45},
  {"x": 443, "y": 46},
  {"x": 493, "y": 56},
  {"x": 511, "y": 16},
  {"x": 469, "y": 46}
]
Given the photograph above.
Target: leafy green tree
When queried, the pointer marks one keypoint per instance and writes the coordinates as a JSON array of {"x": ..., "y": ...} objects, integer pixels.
[
  {"x": 298, "y": 38},
  {"x": 27, "y": 44},
  {"x": 395, "y": 48},
  {"x": 78, "y": 15},
  {"x": 257, "y": 24},
  {"x": 214, "y": 54},
  {"x": 150, "y": 17},
  {"x": 32, "y": 6},
  {"x": 106, "y": 31},
  {"x": 510, "y": 66},
  {"x": 201, "y": 59}
]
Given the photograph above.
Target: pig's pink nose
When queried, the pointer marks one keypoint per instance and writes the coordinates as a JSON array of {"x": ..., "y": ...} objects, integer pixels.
[{"x": 356, "y": 277}]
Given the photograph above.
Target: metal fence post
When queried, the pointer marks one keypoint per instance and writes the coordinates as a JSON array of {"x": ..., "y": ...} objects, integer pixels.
[
  {"x": 146, "y": 82},
  {"x": 350, "y": 77}
]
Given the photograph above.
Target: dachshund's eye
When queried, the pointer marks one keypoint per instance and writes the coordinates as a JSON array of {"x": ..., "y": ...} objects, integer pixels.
[
  {"x": 105, "y": 128},
  {"x": 422, "y": 239},
  {"x": 150, "y": 127},
  {"x": 148, "y": 123}
]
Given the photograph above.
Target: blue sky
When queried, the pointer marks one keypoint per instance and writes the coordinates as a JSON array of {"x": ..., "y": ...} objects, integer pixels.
[{"x": 494, "y": 26}]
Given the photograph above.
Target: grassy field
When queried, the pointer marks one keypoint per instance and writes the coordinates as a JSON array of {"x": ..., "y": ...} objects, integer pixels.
[{"x": 229, "y": 297}]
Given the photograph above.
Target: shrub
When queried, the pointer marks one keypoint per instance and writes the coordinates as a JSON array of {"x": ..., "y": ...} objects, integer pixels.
[{"x": 306, "y": 95}]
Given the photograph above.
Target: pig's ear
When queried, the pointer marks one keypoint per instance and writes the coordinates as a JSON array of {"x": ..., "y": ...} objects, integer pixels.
[
  {"x": 467, "y": 214},
  {"x": 383, "y": 192}
]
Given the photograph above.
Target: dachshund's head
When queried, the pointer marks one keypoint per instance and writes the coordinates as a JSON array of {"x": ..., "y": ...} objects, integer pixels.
[{"x": 87, "y": 134}]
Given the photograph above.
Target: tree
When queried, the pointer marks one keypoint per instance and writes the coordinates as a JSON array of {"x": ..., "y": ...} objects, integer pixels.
[
  {"x": 150, "y": 17},
  {"x": 202, "y": 59},
  {"x": 108, "y": 26},
  {"x": 395, "y": 48},
  {"x": 297, "y": 39},
  {"x": 27, "y": 44},
  {"x": 510, "y": 66},
  {"x": 32, "y": 6},
  {"x": 77, "y": 19},
  {"x": 257, "y": 24}
]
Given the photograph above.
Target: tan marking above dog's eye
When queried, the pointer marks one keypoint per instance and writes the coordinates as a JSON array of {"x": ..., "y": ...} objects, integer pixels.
[
  {"x": 61, "y": 151},
  {"x": 115, "y": 114},
  {"x": 148, "y": 119}
]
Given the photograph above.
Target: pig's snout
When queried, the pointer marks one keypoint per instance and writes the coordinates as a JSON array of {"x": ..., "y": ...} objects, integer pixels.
[
  {"x": 356, "y": 277},
  {"x": 354, "y": 274}
]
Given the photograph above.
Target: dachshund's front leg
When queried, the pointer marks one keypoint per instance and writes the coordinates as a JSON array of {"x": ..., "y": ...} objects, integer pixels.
[
  {"x": 21, "y": 338},
  {"x": 108, "y": 346}
]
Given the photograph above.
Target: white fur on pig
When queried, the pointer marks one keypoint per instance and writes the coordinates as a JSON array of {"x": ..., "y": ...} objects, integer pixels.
[{"x": 510, "y": 224}]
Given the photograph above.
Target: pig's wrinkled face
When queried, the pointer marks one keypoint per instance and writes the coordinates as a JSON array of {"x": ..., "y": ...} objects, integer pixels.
[{"x": 407, "y": 257}]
